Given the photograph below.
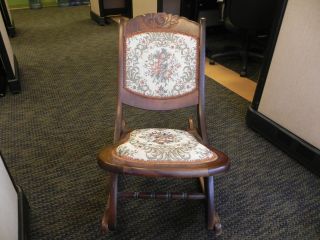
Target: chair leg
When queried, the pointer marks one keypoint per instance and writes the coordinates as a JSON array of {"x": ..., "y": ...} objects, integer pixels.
[
  {"x": 109, "y": 217},
  {"x": 244, "y": 56},
  {"x": 202, "y": 184},
  {"x": 213, "y": 217}
]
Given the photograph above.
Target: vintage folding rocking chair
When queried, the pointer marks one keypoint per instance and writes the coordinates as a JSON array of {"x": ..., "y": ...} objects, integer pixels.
[{"x": 161, "y": 67}]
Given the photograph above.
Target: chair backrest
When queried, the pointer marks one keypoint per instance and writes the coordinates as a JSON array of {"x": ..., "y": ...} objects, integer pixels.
[
  {"x": 251, "y": 14},
  {"x": 161, "y": 61},
  {"x": 161, "y": 65}
]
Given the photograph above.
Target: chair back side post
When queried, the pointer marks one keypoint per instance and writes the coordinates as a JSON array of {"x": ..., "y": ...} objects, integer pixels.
[
  {"x": 118, "y": 123},
  {"x": 202, "y": 84},
  {"x": 119, "y": 114}
]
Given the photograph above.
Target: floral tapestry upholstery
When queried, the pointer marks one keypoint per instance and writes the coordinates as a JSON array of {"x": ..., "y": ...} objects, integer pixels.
[
  {"x": 161, "y": 64},
  {"x": 164, "y": 145}
]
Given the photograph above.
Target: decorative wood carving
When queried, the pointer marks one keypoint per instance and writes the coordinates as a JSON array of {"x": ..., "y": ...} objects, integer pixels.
[{"x": 160, "y": 20}]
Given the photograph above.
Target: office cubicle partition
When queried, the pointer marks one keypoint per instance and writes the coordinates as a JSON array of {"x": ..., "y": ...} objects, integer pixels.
[
  {"x": 191, "y": 9},
  {"x": 140, "y": 7},
  {"x": 286, "y": 105},
  {"x": 170, "y": 6},
  {"x": 9, "y": 69},
  {"x": 13, "y": 207},
  {"x": 100, "y": 9},
  {"x": 7, "y": 18}
]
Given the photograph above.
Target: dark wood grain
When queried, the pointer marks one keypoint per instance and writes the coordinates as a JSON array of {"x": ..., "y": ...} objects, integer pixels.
[
  {"x": 165, "y": 195},
  {"x": 184, "y": 170},
  {"x": 210, "y": 202},
  {"x": 109, "y": 219}
]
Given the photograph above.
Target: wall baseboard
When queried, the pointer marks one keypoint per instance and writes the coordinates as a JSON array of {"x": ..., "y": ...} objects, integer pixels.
[
  {"x": 14, "y": 83},
  {"x": 11, "y": 30},
  {"x": 295, "y": 147},
  {"x": 23, "y": 212}
]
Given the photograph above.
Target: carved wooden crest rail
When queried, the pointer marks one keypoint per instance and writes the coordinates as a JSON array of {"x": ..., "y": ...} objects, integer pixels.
[{"x": 160, "y": 20}]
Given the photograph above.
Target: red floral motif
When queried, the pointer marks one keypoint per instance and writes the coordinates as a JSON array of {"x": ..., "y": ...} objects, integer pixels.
[
  {"x": 161, "y": 137},
  {"x": 161, "y": 64}
]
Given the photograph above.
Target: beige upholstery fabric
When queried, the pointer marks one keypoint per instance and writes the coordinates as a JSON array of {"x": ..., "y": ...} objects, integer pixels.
[
  {"x": 161, "y": 64},
  {"x": 164, "y": 145}
]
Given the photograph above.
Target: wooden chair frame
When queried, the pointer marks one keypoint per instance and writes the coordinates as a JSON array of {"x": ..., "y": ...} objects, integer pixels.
[{"x": 203, "y": 171}]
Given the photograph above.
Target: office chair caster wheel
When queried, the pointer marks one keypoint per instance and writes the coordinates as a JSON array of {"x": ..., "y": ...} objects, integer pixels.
[
  {"x": 212, "y": 62},
  {"x": 243, "y": 73}
]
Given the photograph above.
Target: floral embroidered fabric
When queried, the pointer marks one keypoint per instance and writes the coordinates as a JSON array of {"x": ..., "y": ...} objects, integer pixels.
[
  {"x": 161, "y": 64},
  {"x": 164, "y": 145}
]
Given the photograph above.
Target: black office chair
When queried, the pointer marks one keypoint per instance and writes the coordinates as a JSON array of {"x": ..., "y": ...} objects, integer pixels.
[{"x": 250, "y": 18}]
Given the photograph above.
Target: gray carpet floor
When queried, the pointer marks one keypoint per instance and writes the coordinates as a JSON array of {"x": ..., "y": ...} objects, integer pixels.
[{"x": 52, "y": 131}]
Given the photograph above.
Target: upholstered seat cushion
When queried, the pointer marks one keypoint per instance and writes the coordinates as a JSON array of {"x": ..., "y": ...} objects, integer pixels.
[{"x": 164, "y": 145}]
